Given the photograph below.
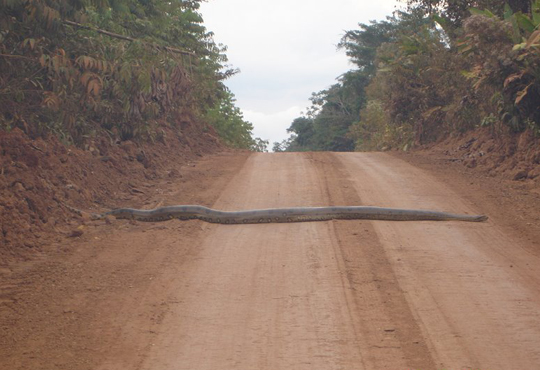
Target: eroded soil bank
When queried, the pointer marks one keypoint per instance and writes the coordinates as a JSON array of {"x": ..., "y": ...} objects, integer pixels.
[{"x": 37, "y": 177}]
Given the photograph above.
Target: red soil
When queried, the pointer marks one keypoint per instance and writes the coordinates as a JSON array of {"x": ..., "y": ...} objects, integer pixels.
[{"x": 37, "y": 177}]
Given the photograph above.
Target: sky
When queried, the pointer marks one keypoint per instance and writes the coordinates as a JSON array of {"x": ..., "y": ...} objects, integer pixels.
[{"x": 285, "y": 50}]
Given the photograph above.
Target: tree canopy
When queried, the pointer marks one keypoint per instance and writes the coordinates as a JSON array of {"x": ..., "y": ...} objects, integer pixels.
[
  {"x": 335, "y": 109},
  {"x": 439, "y": 68},
  {"x": 76, "y": 68}
]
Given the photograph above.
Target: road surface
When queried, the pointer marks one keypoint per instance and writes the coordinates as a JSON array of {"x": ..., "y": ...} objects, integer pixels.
[{"x": 321, "y": 295}]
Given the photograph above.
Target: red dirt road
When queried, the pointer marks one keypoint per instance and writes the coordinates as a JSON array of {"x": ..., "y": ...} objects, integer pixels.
[{"x": 324, "y": 295}]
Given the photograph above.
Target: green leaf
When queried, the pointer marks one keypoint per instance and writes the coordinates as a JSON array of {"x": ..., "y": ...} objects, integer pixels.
[
  {"x": 486, "y": 13},
  {"x": 516, "y": 31},
  {"x": 535, "y": 10},
  {"x": 508, "y": 13},
  {"x": 525, "y": 23},
  {"x": 119, "y": 7},
  {"x": 476, "y": 11},
  {"x": 469, "y": 74}
]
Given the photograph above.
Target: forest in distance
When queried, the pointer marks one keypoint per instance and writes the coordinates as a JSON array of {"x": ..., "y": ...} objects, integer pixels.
[
  {"x": 140, "y": 69},
  {"x": 437, "y": 69}
]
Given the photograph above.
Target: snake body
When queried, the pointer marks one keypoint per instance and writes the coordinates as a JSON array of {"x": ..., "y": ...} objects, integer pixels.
[{"x": 297, "y": 214}]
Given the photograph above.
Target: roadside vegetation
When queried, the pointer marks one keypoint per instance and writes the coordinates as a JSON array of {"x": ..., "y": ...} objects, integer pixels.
[
  {"x": 439, "y": 68},
  {"x": 124, "y": 69}
]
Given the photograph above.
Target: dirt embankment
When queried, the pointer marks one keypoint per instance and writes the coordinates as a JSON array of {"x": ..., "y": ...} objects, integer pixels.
[
  {"x": 501, "y": 173},
  {"x": 37, "y": 177},
  {"x": 509, "y": 157}
]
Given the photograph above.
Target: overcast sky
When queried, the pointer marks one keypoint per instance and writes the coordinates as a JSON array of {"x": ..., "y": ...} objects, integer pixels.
[{"x": 285, "y": 49}]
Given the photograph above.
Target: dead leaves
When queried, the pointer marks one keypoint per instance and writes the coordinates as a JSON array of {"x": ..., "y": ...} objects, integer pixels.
[
  {"x": 522, "y": 94},
  {"x": 88, "y": 63},
  {"x": 92, "y": 82},
  {"x": 51, "y": 100}
]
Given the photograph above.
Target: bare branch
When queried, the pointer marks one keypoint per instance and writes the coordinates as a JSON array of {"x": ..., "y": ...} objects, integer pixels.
[
  {"x": 126, "y": 38},
  {"x": 15, "y": 56}
]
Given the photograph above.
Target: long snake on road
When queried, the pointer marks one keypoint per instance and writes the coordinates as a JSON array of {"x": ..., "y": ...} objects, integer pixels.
[{"x": 295, "y": 214}]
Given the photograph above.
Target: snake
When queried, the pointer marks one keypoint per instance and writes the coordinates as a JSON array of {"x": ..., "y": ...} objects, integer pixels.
[{"x": 282, "y": 215}]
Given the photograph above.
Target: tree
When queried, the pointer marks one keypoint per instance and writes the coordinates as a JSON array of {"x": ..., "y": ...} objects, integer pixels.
[
  {"x": 284, "y": 145},
  {"x": 302, "y": 128},
  {"x": 228, "y": 121},
  {"x": 361, "y": 45},
  {"x": 77, "y": 68},
  {"x": 259, "y": 145},
  {"x": 456, "y": 11},
  {"x": 335, "y": 109}
]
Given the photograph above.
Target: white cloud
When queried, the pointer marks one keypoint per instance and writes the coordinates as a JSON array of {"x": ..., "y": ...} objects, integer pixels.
[
  {"x": 272, "y": 126},
  {"x": 285, "y": 49}
]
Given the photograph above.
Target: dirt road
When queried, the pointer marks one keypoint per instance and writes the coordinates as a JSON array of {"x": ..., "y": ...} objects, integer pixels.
[{"x": 324, "y": 295}]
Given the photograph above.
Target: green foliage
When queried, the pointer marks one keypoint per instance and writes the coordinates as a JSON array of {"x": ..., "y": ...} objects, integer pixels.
[
  {"x": 374, "y": 131},
  {"x": 303, "y": 134},
  {"x": 361, "y": 45},
  {"x": 505, "y": 64},
  {"x": 229, "y": 123},
  {"x": 422, "y": 75},
  {"x": 456, "y": 11},
  {"x": 409, "y": 97},
  {"x": 259, "y": 145},
  {"x": 284, "y": 145},
  {"x": 427, "y": 86},
  {"x": 334, "y": 110},
  {"x": 75, "y": 68}
]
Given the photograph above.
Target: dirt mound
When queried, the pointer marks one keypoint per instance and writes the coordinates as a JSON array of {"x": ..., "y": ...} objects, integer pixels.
[
  {"x": 38, "y": 177},
  {"x": 511, "y": 157}
]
